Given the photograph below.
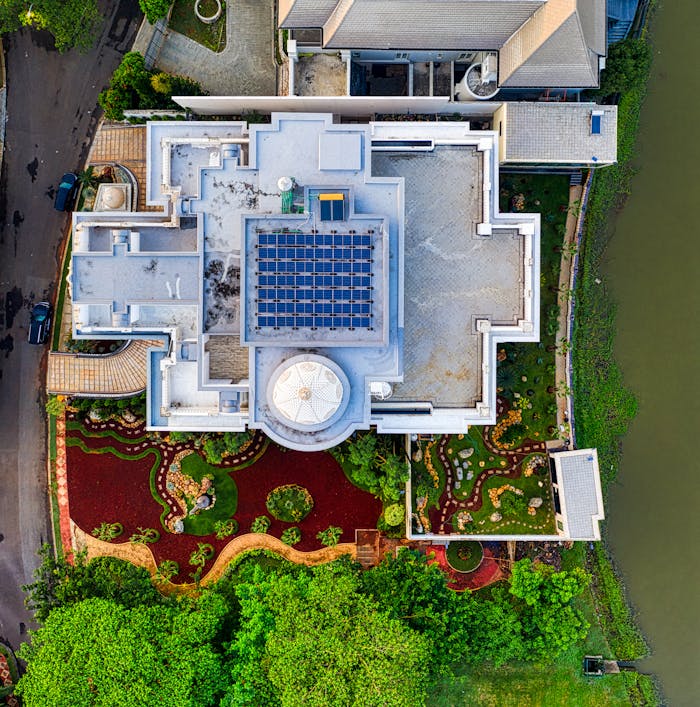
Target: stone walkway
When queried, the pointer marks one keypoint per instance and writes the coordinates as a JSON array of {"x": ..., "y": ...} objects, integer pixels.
[
  {"x": 62, "y": 485},
  {"x": 141, "y": 555},
  {"x": 246, "y": 67},
  {"x": 565, "y": 303},
  {"x": 119, "y": 374}
]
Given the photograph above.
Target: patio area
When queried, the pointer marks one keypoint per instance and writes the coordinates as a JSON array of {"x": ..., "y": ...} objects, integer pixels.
[{"x": 320, "y": 75}]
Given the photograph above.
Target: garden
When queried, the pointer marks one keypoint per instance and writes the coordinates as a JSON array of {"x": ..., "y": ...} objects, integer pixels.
[
  {"x": 186, "y": 496},
  {"x": 494, "y": 479},
  {"x": 212, "y": 35}
]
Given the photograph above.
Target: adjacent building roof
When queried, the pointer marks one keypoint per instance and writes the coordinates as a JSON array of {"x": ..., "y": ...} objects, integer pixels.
[
  {"x": 557, "y": 133},
  {"x": 554, "y": 43},
  {"x": 580, "y": 494}
]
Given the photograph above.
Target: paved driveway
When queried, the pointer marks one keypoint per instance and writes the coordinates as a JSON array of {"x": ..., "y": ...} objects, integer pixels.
[{"x": 246, "y": 67}]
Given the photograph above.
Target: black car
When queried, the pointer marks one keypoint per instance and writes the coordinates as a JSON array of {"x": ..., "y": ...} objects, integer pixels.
[
  {"x": 40, "y": 323},
  {"x": 65, "y": 192}
]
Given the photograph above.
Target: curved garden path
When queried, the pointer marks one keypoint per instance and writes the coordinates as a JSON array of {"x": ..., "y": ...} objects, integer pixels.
[
  {"x": 451, "y": 505},
  {"x": 142, "y": 556}
]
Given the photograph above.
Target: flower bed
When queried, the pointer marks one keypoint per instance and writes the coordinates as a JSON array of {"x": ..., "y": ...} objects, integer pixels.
[
  {"x": 109, "y": 482},
  {"x": 289, "y": 503}
]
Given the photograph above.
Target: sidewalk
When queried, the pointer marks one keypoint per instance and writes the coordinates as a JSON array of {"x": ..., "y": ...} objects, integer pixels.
[{"x": 565, "y": 302}]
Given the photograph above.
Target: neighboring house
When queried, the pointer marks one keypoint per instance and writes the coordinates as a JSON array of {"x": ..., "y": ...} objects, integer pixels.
[
  {"x": 621, "y": 15},
  {"x": 420, "y": 47}
]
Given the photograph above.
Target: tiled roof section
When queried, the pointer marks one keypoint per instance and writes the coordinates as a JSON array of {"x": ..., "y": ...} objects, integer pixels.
[
  {"x": 578, "y": 481},
  {"x": 594, "y": 23},
  {"x": 305, "y": 13},
  {"x": 114, "y": 375},
  {"x": 562, "y": 61},
  {"x": 559, "y": 133},
  {"x": 421, "y": 24}
]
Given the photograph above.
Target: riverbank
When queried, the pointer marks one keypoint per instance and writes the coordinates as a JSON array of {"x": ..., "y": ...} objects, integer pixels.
[{"x": 604, "y": 406}]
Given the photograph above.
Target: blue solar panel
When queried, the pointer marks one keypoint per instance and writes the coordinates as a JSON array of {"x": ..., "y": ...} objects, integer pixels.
[{"x": 312, "y": 280}]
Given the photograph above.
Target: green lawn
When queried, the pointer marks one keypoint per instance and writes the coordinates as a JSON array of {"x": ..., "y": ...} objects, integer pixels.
[
  {"x": 225, "y": 490},
  {"x": 184, "y": 21}
]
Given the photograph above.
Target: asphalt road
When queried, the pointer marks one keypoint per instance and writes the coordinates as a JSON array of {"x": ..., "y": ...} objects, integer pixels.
[{"x": 51, "y": 118}]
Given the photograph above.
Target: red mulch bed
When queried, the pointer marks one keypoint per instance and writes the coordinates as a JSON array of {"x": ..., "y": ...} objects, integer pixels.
[
  {"x": 104, "y": 488},
  {"x": 486, "y": 573}
]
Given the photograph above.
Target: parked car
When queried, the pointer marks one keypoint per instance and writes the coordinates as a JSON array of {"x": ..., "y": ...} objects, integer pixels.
[
  {"x": 40, "y": 323},
  {"x": 65, "y": 192}
]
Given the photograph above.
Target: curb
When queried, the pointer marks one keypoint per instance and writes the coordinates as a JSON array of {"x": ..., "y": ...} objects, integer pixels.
[{"x": 3, "y": 101}]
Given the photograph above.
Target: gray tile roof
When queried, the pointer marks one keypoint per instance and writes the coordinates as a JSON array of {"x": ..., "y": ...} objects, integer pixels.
[
  {"x": 305, "y": 13},
  {"x": 577, "y": 479},
  {"x": 562, "y": 60},
  {"x": 559, "y": 132},
  {"x": 417, "y": 24},
  {"x": 594, "y": 23}
]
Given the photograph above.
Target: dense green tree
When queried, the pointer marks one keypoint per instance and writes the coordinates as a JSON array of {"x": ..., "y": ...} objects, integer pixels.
[
  {"x": 73, "y": 23},
  {"x": 155, "y": 9},
  {"x": 97, "y": 652},
  {"x": 356, "y": 653},
  {"x": 410, "y": 589},
  {"x": 626, "y": 66},
  {"x": 217, "y": 446},
  {"x": 549, "y": 623},
  {"x": 375, "y": 465},
  {"x": 58, "y": 582}
]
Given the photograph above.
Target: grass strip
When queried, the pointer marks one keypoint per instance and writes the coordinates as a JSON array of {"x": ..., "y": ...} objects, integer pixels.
[
  {"x": 613, "y": 611},
  {"x": 58, "y": 311},
  {"x": 78, "y": 426}
]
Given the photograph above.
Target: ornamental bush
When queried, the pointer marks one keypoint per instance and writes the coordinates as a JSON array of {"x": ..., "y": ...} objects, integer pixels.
[
  {"x": 394, "y": 514},
  {"x": 145, "y": 536},
  {"x": 291, "y": 536},
  {"x": 260, "y": 525},
  {"x": 108, "y": 531},
  {"x": 225, "y": 528},
  {"x": 290, "y": 503},
  {"x": 330, "y": 536},
  {"x": 154, "y": 9}
]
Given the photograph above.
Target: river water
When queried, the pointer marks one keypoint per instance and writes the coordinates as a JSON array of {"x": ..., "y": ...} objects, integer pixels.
[{"x": 652, "y": 267}]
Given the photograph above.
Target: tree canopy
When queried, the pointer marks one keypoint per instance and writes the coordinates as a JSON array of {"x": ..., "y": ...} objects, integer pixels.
[
  {"x": 73, "y": 23},
  {"x": 133, "y": 86},
  {"x": 274, "y": 633},
  {"x": 97, "y": 652},
  {"x": 626, "y": 66},
  {"x": 375, "y": 465}
]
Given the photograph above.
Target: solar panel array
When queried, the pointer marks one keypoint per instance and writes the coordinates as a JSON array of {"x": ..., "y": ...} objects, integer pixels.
[{"x": 314, "y": 280}]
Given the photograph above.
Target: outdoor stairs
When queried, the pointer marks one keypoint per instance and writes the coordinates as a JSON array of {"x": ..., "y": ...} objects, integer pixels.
[{"x": 576, "y": 179}]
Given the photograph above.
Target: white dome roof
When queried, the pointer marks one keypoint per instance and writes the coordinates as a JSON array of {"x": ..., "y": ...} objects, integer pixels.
[
  {"x": 307, "y": 393},
  {"x": 114, "y": 197}
]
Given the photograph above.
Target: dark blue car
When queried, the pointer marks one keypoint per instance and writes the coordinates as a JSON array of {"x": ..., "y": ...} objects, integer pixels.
[
  {"x": 40, "y": 323},
  {"x": 65, "y": 192}
]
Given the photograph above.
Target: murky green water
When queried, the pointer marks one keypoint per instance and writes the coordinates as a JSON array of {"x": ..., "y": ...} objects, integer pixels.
[{"x": 653, "y": 267}]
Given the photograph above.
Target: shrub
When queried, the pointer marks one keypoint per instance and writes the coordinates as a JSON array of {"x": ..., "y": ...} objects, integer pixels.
[
  {"x": 330, "y": 536},
  {"x": 108, "y": 531},
  {"x": 290, "y": 503},
  {"x": 513, "y": 434},
  {"x": 202, "y": 555},
  {"x": 512, "y": 504},
  {"x": 154, "y": 9},
  {"x": 166, "y": 571},
  {"x": 626, "y": 67},
  {"x": 145, "y": 536},
  {"x": 260, "y": 525},
  {"x": 291, "y": 536},
  {"x": 218, "y": 446},
  {"x": 56, "y": 405},
  {"x": 394, "y": 514},
  {"x": 225, "y": 528}
]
